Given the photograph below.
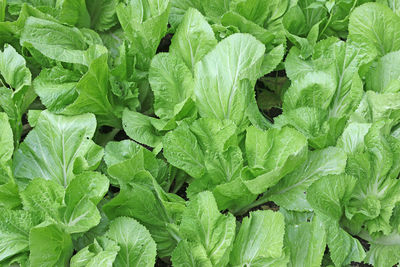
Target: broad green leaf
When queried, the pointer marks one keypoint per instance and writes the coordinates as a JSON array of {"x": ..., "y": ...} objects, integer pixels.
[
  {"x": 139, "y": 127},
  {"x": 384, "y": 250},
  {"x": 93, "y": 89},
  {"x": 51, "y": 148},
  {"x": 316, "y": 89},
  {"x": 327, "y": 197},
  {"x": 117, "y": 152},
  {"x": 82, "y": 195},
  {"x": 259, "y": 240},
  {"x": 273, "y": 154},
  {"x": 144, "y": 200},
  {"x": 375, "y": 107},
  {"x": 54, "y": 40},
  {"x": 6, "y": 139},
  {"x": 233, "y": 195},
  {"x": 43, "y": 199},
  {"x": 9, "y": 195},
  {"x": 182, "y": 150},
  {"x": 102, "y": 14},
  {"x": 3, "y": 4},
  {"x": 124, "y": 168},
  {"x": 290, "y": 191},
  {"x": 56, "y": 87},
  {"x": 384, "y": 76},
  {"x": 171, "y": 82},
  {"x": 137, "y": 248},
  {"x": 393, "y": 4},
  {"x": 352, "y": 139},
  {"x": 374, "y": 27},
  {"x": 49, "y": 246},
  {"x": 376, "y": 168},
  {"x": 339, "y": 91},
  {"x": 306, "y": 241},
  {"x": 259, "y": 11},
  {"x": 213, "y": 135},
  {"x": 232, "y": 19},
  {"x": 193, "y": 39},
  {"x": 208, "y": 233},
  {"x": 102, "y": 252},
  {"x": 13, "y": 69},
  {"x": 14, "y": 232},
  {"x": 225, "y": 77},
  {"x": 179, "y": 8},
  {"x": 144, "y": 23},
  {"x": 74, "y": 12}
]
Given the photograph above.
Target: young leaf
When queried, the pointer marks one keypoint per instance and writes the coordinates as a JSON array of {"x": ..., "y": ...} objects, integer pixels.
[
  {"x": 259, "y": 241},
  {"x": 137, "y": 248},
  {"x": 193, "y": 39},
  {"x": 209, "y": 234},
  {"x": 82, "y": 195},
  {"x": 54, "y": 40},
  {"x": 14, "y": 232},
  {"x": 290, "y": 191},
  {"x": 102, "y": 252},
  {"x": 59, "y": 140},
  {"x": 171, "y": 82},
  {"x": 49, "y": 246},
  {"x": 225, "y": 76},
  {"x": 375, "y": 28},
  {"x": 143, "y": 199}
]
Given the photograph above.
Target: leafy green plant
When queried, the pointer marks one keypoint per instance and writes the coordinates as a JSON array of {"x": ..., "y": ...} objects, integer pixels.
[{"x": 199, "y": 133}]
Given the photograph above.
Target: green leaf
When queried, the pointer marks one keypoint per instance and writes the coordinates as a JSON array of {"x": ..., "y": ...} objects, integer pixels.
[
  {"x": 144, "y": 23},
  {"x": 376, "y": 168},
  {"x": 117, "y": 152},
  {"x": 6, "y": 139},
  {"x": 56, "y": 87},
  {"x": 102, "y": 14},
  {"x": 74, "y": 12},
  {"x": 384, "y": 250},
  {"x": 259, "y": 11},
  {"x": 182, "y": 150},
  {"x": 171, "y": 82},
  {"x": 384, "y": 76},
  {"x": 290, "y": 191},
  {"x": 273, "y": 154},
  {"x": 9, "y": 196},
  {"x": 49, "y": 246},
  {"x": 394, "y": 5},
  {"x": 208, "y": 233},
  {"x": 193, "y": 39},
  {"x": 374, "y": 27},
  {"x": 14, "y": 232},
  {"x": 43, "y": 199},
  {"x": 137, "y": 248},
  {"x": 179, "y": 8},
  {"x": 59, "y": 140},
  {"x": 93, "y": 89},
  {"x": 142, "y": 199},
  {"x": 316, "y": 89},
  {"x": 82, "y": 195},
  {"x": 225, "y": 77},
  {"x": 306, "y": 241},
  {"x": 232, "y": 19},
  {"x": 140, "y": 128},
  {"x": 54, "y": 40},
  {"x": 13, "y": 69},
  {"x": 327, "y": 197},
  {"x": 214, "y": 135},
  {"x": 259, "y": 240},
  {"x": 102, "y": 252}
]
